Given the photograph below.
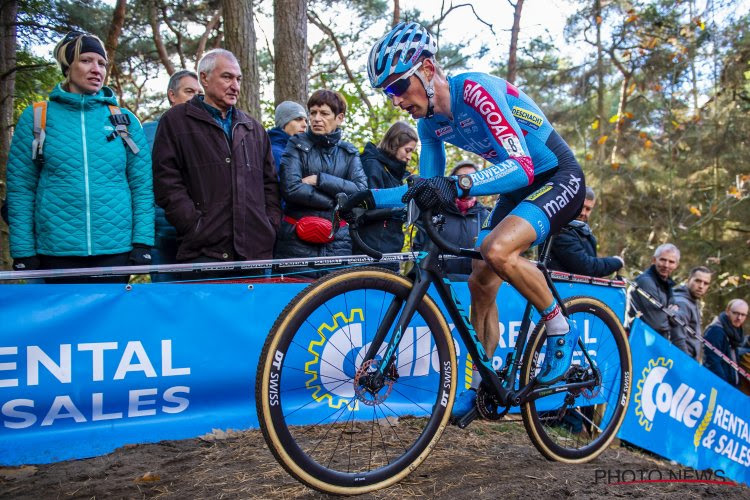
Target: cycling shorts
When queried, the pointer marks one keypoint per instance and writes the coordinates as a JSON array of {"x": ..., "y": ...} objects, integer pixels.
[{"x": 551, "y": 201}]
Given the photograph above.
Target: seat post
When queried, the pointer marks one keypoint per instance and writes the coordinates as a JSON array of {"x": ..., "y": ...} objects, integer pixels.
[{"x": 544, "y": 250}]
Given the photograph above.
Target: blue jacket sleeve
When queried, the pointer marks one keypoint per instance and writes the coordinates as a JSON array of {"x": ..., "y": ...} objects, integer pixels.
[{"x": 23, "y": 177}]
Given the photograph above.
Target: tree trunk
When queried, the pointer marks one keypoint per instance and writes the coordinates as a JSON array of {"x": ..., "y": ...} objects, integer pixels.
[
  {"x": 396, "y": 14},
  {"x": 210, "y": 27},
  {"x": 239, "y": 36},
  {"x": 8, "y": 13},
  {"x": 153, "y": 20},
  {"x": 290, "y": 51},
  {"x": 512, "y": 67},
  {"x": 600, "y": 90},
  {"x": 113, "y": 36}
]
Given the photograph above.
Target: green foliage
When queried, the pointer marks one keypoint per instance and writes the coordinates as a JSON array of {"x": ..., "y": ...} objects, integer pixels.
[{"x": 36, "y": 77}]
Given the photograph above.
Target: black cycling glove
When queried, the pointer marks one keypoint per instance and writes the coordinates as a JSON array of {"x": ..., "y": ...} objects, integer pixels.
[
  {"x": 435, "y": 192},
  {"x": 361, "y": 199}
]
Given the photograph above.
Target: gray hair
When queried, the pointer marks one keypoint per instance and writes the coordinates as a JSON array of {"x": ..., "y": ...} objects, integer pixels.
[
  {"x": 208, "y": 61},
  {"x": 666, "y": 247},
  {"x": 590, "y": 195},
  {"x": 177, "y": 76}
]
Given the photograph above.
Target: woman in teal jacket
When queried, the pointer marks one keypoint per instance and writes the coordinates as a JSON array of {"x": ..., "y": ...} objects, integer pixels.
[{"x": 88, "y": 201}]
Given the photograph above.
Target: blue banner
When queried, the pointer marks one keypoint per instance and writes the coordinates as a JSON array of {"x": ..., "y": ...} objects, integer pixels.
[
  {"x": 684, "y": 412},
  {"x": 85, "y": 369}
]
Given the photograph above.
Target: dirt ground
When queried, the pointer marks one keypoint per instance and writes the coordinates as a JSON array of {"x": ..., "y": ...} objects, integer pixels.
[{"x": 486, "y": 460}]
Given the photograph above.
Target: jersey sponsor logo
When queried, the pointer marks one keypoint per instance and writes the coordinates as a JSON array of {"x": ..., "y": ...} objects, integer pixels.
[
  {"x": 443, "y": 131},
  {"x": 527, "y": 117},
  {"x": 478, "y": 98},
  {"x": 489, "y": 155},
  {"x": 569, "y": 191},
  {"x": 466, "y": 123},
  {"x": 539, "y": 192}
]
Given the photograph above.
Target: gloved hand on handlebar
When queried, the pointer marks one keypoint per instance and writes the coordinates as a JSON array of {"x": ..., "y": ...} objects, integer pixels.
[
  {"x": 435, "y": 192},
  {"x": 361, "y": 199}
]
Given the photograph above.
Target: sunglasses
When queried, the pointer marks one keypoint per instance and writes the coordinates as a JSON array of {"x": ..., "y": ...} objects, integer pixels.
[{"x": 399, "y": 86}]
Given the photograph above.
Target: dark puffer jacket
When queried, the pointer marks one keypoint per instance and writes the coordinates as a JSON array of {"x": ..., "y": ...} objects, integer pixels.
[
  {"x": 462, "y": 230},
  {"x": 382, "y": 171},
  {"x": 338, "y": 169}
]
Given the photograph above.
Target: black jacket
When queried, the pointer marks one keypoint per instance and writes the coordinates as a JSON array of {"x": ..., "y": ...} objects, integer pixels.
[
  {"x": 461, "y": 230},
  {"x": 724, "y": 336},
  {"x": 661, "y": 290},
  {"x": 339, "y": 171},
  {"x": 382, "y": 171},
  {"x": 574, "y": 251}
]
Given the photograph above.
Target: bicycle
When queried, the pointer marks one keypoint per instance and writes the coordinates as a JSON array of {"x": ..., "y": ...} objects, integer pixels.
[{"x": 369, "y": 356}]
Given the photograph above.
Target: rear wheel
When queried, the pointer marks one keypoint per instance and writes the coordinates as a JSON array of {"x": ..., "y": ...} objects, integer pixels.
[
  {"x": 577, "y": 425},
  {"x": 325, "y": 416}
]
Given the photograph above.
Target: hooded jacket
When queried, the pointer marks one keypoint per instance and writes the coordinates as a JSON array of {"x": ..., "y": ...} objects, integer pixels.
[
  {"x": 337, "y": 165},
  {"x": 727, "y": 338},
  {"x": 574, "y": 251},
  {"x": 222, "y": 196},
  {"x": 383, "y": 171},
  {"x": 91, "y": 195},
  {"x": 689, "y": 312}
]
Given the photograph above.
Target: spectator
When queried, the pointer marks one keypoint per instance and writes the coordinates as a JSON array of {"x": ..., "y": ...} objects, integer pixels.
[
  {"x": 574, "y": 248},
  {"x": 462, "y": 225},
  {"x": 183, "y": 85},
  {"x": 315, "y": 167},
  {"x": 214, "y": 173},
  {"x": 656, "y": 282},
  {"x": 725, "y": 333},
  {"x": 686, "y": 299},
  {"x": 86, "y": 199},
  {"x": 385, "y": 167},
  {"x": 291, "y": 119}
]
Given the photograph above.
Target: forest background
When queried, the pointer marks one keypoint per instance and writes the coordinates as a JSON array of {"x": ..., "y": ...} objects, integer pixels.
[{"x": 654, "y": 99}]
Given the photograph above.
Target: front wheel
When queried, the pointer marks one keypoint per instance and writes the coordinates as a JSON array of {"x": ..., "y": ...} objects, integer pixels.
[
  {"x": 575, "y": 426},
  {"x": 326, "y": 416}
]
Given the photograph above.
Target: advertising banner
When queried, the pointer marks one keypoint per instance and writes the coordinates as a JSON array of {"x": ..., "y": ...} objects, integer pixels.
[
  {"x": 85, "y": 369},
  {"x": 684, "y": 412}
]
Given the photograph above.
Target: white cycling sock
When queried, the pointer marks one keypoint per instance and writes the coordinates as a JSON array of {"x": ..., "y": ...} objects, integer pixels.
[{"x": 554, "y": 320}]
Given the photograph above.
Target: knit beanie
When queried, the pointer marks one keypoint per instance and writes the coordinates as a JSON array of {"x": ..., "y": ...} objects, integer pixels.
[
  {"x": 288, "y": 111},
  {"x": 73, "y": 45}
]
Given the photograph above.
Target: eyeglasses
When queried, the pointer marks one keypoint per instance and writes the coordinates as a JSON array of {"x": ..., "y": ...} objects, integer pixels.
[
  {"x": 739, "y": 314},
  {"x": 399, "y": 86}
]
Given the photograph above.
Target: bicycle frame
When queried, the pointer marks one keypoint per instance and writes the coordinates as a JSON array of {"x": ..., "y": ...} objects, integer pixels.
[{"x": 430, "y": 273}]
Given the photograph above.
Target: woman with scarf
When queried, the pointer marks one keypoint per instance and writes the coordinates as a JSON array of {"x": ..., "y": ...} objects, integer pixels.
[
  {"x": 385, "y": 167},
  {"x": 725, "y": 333},
  {"x": 315, "y": 167}
]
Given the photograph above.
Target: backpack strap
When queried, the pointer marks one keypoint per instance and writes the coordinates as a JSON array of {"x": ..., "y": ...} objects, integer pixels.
[
  {"x": 40, "y": 123},
  {"x": 121, "y": 122}
]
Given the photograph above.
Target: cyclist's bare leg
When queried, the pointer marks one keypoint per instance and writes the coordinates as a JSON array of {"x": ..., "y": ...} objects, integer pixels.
[
  {"x": 484, "y": 284},
  {"x": 502, "y": 250}
]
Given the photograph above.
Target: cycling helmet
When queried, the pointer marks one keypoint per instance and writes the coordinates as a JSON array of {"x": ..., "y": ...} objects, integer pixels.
[{"x": 398, "y": 51}]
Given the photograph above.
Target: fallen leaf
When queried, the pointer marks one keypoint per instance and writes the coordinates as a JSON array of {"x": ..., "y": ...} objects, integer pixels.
[
  {"x": 17, "y": 472},
  {"x": 148, "y": 477}
]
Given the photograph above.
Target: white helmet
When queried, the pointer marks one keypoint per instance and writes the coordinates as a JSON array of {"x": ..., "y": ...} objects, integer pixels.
[{"x": 398, "y": 51}]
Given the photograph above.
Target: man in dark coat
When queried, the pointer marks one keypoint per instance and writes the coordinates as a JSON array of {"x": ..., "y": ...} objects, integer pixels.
[
  {"x": 656, "y": 282},
  {"x": 214, "y": 173},
  {"x": 316, "y": 166},
  {"x": 687, "y": 300},
  {"x": 574, "y": 249},
  {"x": 725, "y": 333}
]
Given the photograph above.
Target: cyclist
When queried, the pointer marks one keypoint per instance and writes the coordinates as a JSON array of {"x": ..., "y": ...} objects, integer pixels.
[{"x": 541, "y": 183}]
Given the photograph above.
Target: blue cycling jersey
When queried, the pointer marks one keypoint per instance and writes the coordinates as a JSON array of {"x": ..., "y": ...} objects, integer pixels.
[{"x": 495, "y": 120}]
